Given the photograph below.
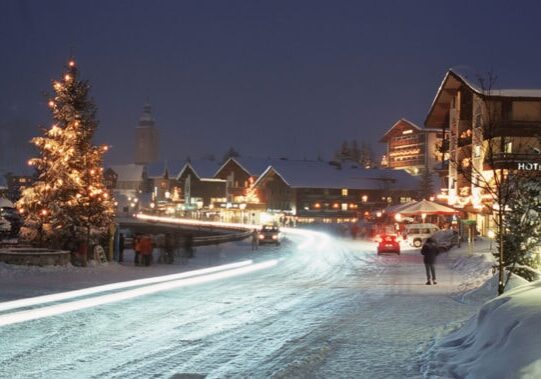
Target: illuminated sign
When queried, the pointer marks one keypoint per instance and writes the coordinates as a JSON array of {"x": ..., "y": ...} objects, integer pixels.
[{"x": 529, "y": 166}]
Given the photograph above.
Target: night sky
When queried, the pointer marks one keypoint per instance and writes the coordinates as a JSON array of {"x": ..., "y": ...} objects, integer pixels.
[{"x": 270, "y": 78}]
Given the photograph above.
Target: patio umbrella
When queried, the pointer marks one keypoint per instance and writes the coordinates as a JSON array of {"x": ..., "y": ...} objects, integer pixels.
[
  {"x": 428, "y": 208},
  {"x": 394, "y": 209}
]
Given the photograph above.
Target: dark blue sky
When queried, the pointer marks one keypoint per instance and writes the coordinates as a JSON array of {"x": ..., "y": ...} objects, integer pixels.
[{"x": 271, "y": 78}]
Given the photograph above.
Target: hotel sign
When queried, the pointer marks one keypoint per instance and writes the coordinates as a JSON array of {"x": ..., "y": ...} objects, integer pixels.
[{"x": 529, "y": 166}]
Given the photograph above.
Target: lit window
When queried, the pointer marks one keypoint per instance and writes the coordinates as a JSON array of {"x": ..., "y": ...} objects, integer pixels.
[
  {"x": 508, "y": 147},
  {"x": 477, "y": 151},
  {"x": 364, "y": 198},
  {"x": 344, "y": 191}
]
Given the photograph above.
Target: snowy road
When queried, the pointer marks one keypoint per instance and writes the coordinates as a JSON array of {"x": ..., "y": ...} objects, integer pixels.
[{"x": 329, "y": 308}]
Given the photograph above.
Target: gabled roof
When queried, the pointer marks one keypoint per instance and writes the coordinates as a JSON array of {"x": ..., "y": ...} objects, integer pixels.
[
  {"x": 128, "y": 172},
  {"x": 403, "y": 123},
  {"x": 455, "y": 79},
  {"x": 315, "y": 174},
  {"x": 252, "y": 166},
  {"x": 203, "y": 169},
  {"x": 237, "y": 162}
]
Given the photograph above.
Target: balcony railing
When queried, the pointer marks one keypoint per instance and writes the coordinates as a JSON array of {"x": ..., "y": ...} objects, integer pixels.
[
  {"x": 415, "y": 162},
  {"x": 510, "y": 160},
  {"x": 510, "y": 128}
]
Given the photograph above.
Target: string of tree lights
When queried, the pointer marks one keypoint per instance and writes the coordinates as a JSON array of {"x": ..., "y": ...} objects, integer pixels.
[{"x": 69, "y": 199}]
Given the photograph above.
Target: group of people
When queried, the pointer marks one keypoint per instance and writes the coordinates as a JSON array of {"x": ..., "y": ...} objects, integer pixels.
[
  {"x": 287, "y": 221},
  {"x": 143, "y": 247}
]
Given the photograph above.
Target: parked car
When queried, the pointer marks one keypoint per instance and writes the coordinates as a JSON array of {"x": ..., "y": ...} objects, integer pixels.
[
  {"x": 5, "y": 227},
  {"x": 270, "y": 234},
  {"x": 446, "y": 239},
  {"x": 389, "y": 244},
  {"x": 416, "y": 234}
]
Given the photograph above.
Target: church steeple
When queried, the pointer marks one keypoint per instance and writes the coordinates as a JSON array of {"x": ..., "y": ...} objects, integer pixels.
[{"x": 146, "y": 138}]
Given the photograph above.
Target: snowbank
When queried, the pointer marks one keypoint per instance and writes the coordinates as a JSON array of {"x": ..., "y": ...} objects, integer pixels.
[{"x": 501, "y": 341}]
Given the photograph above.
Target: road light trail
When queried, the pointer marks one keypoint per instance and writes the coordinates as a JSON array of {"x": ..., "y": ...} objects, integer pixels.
[
  {"x": 33, "y": 314},
  {"x": 39, "y": 300},
  {"x": 310, "y": 237}
]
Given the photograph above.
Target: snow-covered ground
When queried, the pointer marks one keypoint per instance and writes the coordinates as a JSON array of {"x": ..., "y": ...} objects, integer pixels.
[{"x": 329, "y": 308}]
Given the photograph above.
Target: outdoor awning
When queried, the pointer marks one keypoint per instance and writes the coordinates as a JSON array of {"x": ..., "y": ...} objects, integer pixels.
[
  {"x": 428, "y": 208},
  {"x": 394, "y": 209}
]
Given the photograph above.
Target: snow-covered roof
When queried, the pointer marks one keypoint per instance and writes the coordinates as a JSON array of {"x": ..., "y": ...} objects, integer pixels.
[
  {"x": 252, "y": 166},
  {"x": 213, "y": 180},
  {"x": 404, "y": 122},
  {"x": 453, "y": 80},
  {"x": 203, "y": 168},
  {"x": 465, "y": 76},
  {"x": 316, "y": 174},
  {"x": 128, "y": 172}
]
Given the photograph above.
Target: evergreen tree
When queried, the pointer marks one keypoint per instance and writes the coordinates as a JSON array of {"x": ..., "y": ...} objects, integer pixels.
[
  {"x": 355, "y": 152},
  {"x": 426, "y": 184},
  {"x": 344, "y": 154},
  {"x": 522, "y": 227},
  {"x": 69, "y": 199},
  {"x": 366, "y": 157}
]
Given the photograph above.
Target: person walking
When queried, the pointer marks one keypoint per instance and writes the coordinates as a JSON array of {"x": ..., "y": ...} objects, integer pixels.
[
  {"x": 146, "y": 249},
  {"x": 121, "y": 247},
  {"x": 255, "y": 239},
  {"x": 188, "y": 246},
  {"x": 137, "y": 249},
  {"x": 169, "y": 248},
  {"x": 430, "y": 252}
]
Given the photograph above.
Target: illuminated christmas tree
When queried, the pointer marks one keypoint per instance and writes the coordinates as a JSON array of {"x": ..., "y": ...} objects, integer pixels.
[{"x": 69, "y": 200}]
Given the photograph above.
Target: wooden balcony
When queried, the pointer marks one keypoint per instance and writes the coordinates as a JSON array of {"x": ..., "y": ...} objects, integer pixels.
[
  {"x": 400, "y": 164},
  {"x": 510, "y": 128},
  {"x": 510, "y": 160}
]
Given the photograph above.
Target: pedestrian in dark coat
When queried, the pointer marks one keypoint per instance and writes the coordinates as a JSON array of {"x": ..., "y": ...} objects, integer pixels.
[
  {"x": 255, "y": 239},
  {"x": 169, "y": 248},
  {"x": 188, "y": 245},
  {"x": 137, "y": 249},
  {"x": 430, "y": 252},
  {"x": 121, "y": 247}
]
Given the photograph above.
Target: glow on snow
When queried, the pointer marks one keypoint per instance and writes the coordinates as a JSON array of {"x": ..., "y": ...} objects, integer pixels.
[
  {"x": 33, "y": 314},
  {"x": 159, "y": 283},
  {"x": 38, "y": 300}
]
